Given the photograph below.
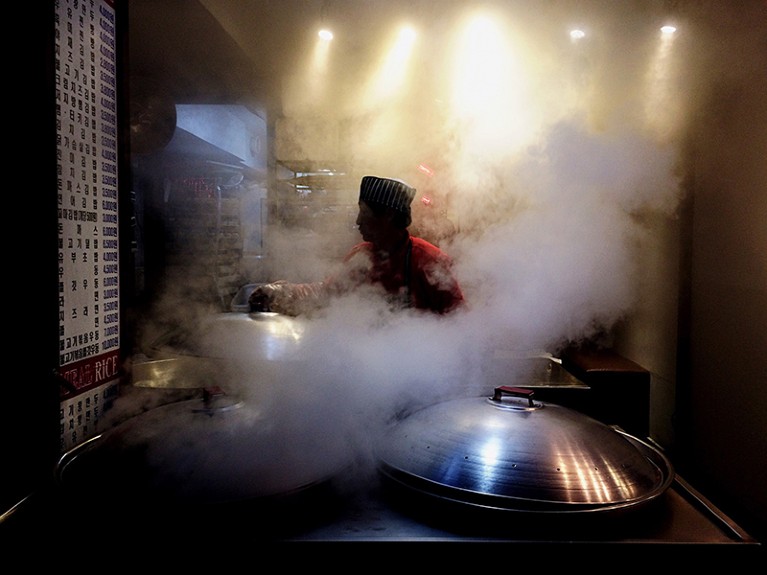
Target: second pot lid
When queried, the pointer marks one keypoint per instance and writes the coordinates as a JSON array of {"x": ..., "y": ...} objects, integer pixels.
[
  {"x": 510, "y": 452},
  {"x": 215, "y": 450}
]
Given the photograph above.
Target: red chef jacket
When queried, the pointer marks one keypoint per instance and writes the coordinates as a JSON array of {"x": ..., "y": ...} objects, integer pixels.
[{"x": 417, "y": 272}]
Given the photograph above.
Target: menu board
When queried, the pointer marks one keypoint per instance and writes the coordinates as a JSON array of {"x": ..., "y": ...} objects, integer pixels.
[{"x": 88, "y": 230}]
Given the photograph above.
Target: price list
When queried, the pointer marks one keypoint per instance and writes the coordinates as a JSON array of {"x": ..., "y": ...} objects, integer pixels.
[{"x": 87, "y": 194}]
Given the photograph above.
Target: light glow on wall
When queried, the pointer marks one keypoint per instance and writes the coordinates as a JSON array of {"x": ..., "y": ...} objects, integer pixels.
[
  {"x": 389, "y": 79},
  {"x": 661, "y": 108},
  {"x": 489, "y": 89}
]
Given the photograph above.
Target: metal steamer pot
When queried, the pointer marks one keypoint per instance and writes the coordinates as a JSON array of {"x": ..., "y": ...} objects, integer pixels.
[
  {"x": 510, "y": 456},
  {"x": 217, "y": 457},
  {"x": 257, "y": 336},
  {"x": 202, "y": 349},
  {"x": 246, "y": 438},
  {"x": 241, "y": 353},
  {"x": 194, "y": 464}
]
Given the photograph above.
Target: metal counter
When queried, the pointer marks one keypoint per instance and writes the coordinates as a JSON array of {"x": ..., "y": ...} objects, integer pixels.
[
  {"x": 681, "y": 516},
  {"x": 333, "y": 529}
]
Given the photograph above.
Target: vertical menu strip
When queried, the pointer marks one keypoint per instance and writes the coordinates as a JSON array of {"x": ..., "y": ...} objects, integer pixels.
[{"x": 87, "y": 193}]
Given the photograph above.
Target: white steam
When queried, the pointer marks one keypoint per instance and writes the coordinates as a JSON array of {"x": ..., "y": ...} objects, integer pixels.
[{"x": 546, "y": 250}]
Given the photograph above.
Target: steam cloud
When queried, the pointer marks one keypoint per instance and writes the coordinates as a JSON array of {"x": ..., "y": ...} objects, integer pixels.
[{"x": 549, "y": 230}]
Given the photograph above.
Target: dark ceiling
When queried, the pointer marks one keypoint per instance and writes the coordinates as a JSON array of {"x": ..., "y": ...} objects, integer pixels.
[
  {"x": 221, "y": 51},
  {"x": 226, "y": 51},
  {"x": 180, "y": 49}
]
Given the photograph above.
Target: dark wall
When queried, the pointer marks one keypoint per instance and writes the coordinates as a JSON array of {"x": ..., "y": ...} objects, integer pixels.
[{"x": 722, "y": 393}]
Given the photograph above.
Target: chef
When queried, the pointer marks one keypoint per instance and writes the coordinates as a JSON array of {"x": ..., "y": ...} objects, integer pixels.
[{"x": 407, "y": 271}]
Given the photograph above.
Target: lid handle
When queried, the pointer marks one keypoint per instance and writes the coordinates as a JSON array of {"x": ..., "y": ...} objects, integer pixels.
[{"x": 518, "y": 391}]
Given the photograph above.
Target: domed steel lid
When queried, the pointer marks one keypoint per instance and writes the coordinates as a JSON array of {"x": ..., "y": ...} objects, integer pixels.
[
  {"x": 511, "y": 453},
  {"x": 203, "y": 451}
]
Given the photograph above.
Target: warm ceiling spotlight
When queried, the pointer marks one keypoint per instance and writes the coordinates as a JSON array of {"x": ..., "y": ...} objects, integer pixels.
[
  {"x": 668, "y": 30},
  {"x": 407, "y": 35},
  {"x": 325, "y": 34},
  {"x": 577, "y": 35}
]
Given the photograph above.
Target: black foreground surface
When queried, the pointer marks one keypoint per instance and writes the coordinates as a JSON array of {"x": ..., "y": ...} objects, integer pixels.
[{"x": 333, "y": 523}]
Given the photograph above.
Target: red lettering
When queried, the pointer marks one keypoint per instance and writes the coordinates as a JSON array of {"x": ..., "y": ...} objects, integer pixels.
[
  {"x": 107, "y": 368},
  {"x": 79, "y": 377}
]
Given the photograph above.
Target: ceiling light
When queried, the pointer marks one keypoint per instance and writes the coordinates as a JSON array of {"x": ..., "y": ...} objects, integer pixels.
[{"x": 577, "y": 35}]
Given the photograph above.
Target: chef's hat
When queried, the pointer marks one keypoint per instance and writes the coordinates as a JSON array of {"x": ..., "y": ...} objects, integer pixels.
[{"x": 395, "y": 194}]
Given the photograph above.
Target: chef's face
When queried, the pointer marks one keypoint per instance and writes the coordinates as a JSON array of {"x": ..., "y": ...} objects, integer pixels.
[{"x": 372, "y": 227}]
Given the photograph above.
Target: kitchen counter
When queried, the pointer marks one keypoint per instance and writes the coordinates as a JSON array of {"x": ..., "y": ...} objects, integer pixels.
[
  {"x": 682, "y": 516},
  {"x": 348, "y": 514},
  {"x": 681, "y": 523}
]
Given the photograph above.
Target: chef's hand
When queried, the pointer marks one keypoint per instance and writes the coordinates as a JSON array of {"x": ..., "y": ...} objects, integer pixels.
[{"x": 264, "y": 297}]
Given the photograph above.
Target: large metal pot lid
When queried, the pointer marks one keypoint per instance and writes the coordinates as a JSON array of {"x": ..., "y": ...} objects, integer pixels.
[
  {"x": 201, "y": 451},
  {"x": 512, "y": 453}
]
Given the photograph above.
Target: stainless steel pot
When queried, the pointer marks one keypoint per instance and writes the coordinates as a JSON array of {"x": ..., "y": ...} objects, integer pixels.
[
  {"x": 257, "y": 336},
  {"x": 204, "y": 452},
  {"x": 180, "y": 372},
  {"x": 197, "y": 353},
  {"x": 236, "y": 351},
  {"x": 509, "y": 453}
]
